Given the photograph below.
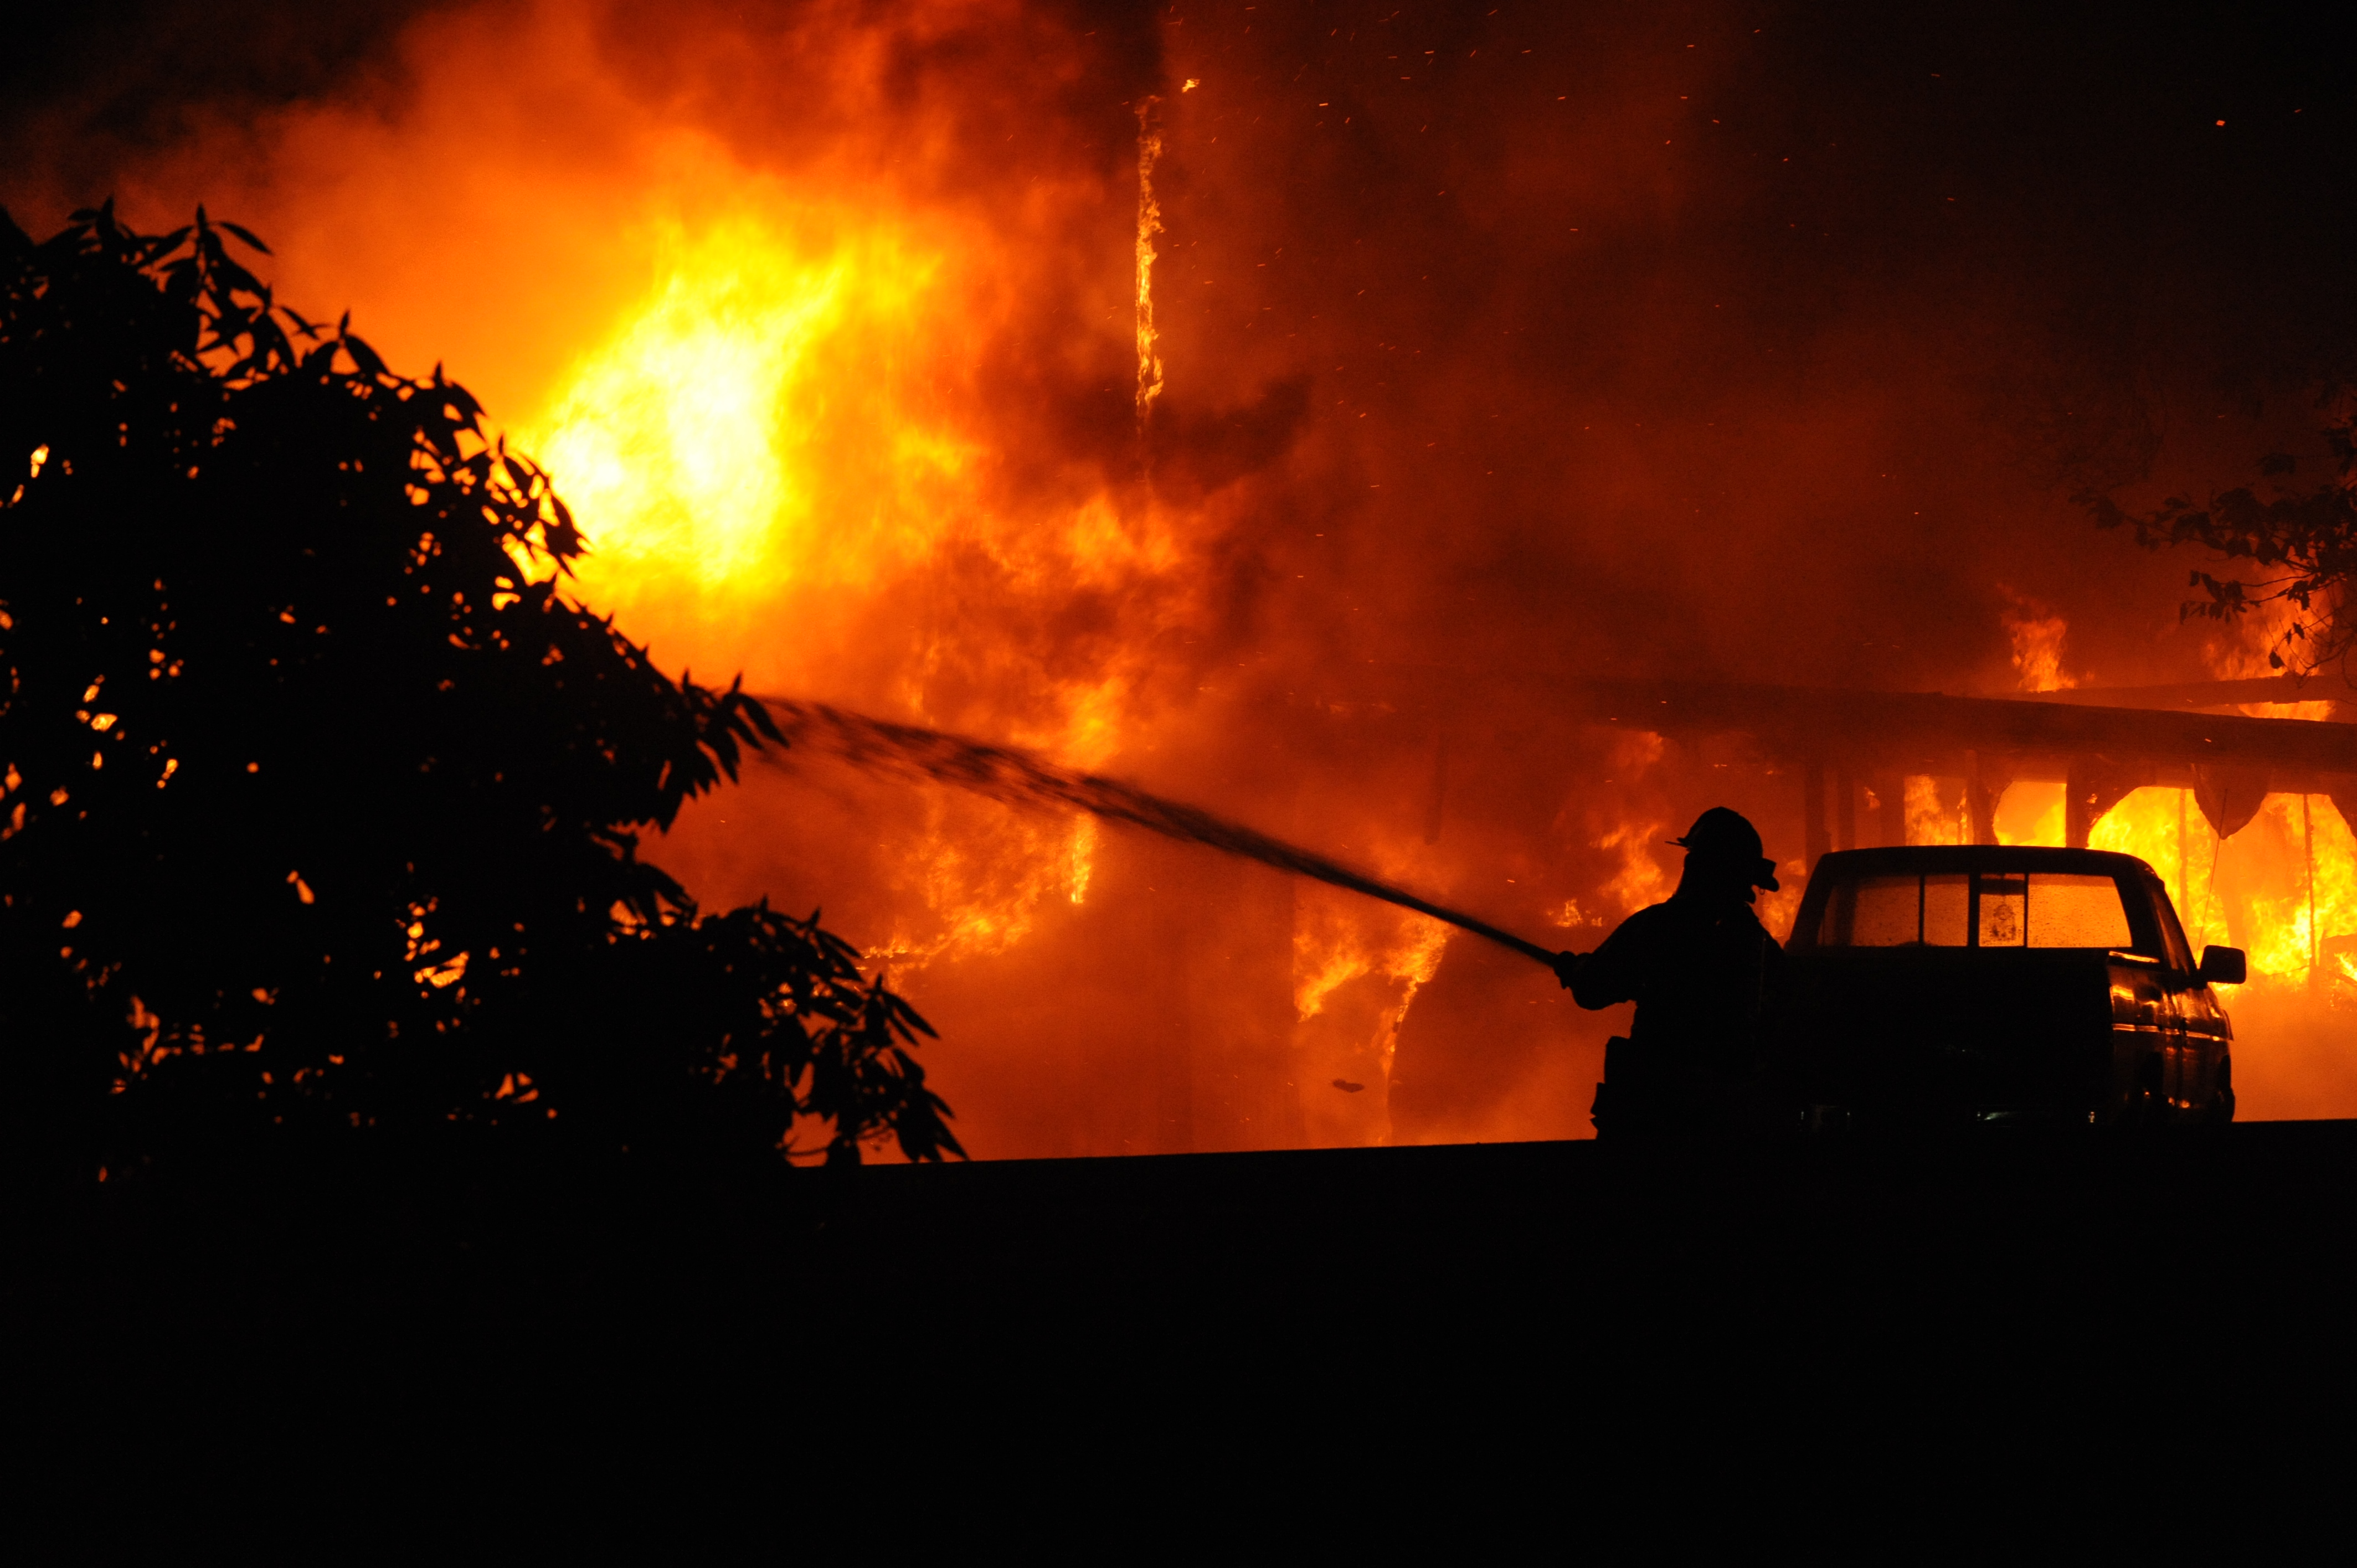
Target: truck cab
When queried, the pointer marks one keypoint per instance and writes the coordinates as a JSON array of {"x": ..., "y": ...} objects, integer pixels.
[{"x": 1987, "y": 983}]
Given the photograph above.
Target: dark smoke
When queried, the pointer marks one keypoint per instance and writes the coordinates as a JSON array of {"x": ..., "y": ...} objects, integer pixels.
[{"x": 1018, "y": 779}]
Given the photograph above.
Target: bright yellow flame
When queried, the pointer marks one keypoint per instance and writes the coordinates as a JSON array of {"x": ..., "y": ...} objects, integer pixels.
[
  {"x": 1930, "y": 817},
  {"x": 2163, "y": 828},
  {"x": 689, "y": 443},
  {"x": 2292, "y": 919},
  {"x": 788, "y": 425},
  {"x": 2255, "y": 890},
  {"x": 789, "y": 428}
]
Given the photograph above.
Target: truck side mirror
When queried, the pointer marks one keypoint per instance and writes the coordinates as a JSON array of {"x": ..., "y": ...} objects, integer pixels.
[{"x": 2224, "y": 966}]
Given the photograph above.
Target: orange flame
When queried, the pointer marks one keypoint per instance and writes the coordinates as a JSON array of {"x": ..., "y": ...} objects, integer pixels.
[
  {"x": 2284, "y": 888},
  {"x": 1934, "y": 815},
  {"x": 1149, "y": 224},
  {"x": 2038, "y": 633}
]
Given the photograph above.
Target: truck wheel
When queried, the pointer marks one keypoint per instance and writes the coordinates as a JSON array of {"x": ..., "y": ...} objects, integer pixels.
[{"x": 2221, "y": 1104}]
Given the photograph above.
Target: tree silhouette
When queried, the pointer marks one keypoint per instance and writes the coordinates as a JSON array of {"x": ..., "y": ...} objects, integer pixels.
[
  {"x": 322, "y": 800},
  {"x": 2302, "y": 541}
]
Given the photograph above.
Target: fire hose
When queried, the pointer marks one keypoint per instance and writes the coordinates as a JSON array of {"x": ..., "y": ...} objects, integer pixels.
[{"x": 1021, "y": 778}]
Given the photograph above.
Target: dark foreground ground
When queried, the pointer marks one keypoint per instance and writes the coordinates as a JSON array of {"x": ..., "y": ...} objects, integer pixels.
[{"x": 1432, "y": 1294}]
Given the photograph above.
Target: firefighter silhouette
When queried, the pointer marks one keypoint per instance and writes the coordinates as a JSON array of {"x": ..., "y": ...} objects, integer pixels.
[{"x": 1705, "y": 975}]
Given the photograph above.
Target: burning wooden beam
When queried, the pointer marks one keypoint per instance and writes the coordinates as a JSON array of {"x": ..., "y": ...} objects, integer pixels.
[
  {"x": 1930, "y": 731},
  {"x": 2099, "y": 754}
]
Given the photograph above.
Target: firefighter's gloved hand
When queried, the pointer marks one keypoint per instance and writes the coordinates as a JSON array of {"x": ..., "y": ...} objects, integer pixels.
[{"x": 1567, "y": 965}]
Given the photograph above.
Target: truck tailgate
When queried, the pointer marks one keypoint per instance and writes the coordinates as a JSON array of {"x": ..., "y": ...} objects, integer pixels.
[{"x": 1951, "y": 1032}]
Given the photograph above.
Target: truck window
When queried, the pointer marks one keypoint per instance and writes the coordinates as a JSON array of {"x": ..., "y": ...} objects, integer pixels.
[
  {"x": 1947, "y": 909},
  {"x": 2019, "y": 909},
  {"x": 1897, "y": 911},
  {"x": 2072, "y": 909},
  {"x": 1873, "y": 912},
  {"x": 2005, "y": 911}
]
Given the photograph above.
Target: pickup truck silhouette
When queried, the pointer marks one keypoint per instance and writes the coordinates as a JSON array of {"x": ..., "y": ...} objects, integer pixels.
[{"x": 1985, "y": 983}]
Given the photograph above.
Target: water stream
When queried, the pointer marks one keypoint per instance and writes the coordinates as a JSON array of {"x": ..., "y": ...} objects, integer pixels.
[{"x": 1021, "y": 778}]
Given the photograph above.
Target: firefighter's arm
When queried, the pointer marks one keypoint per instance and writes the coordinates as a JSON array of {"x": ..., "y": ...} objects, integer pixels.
[{"x": 1605, "y": 978}]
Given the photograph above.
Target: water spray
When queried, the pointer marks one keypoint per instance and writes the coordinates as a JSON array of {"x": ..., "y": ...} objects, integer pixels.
[{"x": 1019, "y": 779}]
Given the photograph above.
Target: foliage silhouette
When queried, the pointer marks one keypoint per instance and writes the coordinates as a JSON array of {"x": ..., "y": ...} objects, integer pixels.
[
  {"x": 2306, "y": 538},
  {"x": 321, "y": 799}
]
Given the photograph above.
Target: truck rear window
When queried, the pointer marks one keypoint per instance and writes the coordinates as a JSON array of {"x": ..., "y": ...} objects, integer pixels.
[{"x": 1987, "y": 909}]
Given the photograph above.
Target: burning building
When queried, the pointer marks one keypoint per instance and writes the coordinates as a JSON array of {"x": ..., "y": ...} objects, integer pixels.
[{"x": 1465, "y": 440}]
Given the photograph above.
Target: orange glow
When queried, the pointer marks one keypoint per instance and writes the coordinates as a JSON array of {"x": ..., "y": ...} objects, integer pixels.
[
  {"x": 2255, "y": 890},
  {"x": 980, "y": 882},
  {"x": 1079, "y": 859},
  {"x": 1777, "y": 909},
  {"x": 1342, "y": 941},
  {"x": 2239, "y": 650},
  {"x": 1571, "y": 918},
  {"x": 2031, "y": 812},
  {"x": 1640, "y": 880}
]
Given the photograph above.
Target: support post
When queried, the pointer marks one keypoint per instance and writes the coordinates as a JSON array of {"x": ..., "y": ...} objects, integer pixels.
[
  {"x": 1812, "y": 811},
  {"x": 2315, "y": 938},
  {"x": 1844, "y": 809},
  {"x": 2182, "y": 862},
  {"x": 1890, "y": 808},
  {"x": 1984, "y": 787}
]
